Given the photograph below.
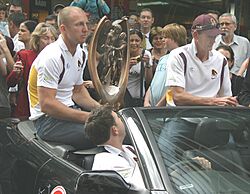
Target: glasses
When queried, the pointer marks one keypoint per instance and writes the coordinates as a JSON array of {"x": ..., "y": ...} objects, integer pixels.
[{"x": 225, "y": 23}]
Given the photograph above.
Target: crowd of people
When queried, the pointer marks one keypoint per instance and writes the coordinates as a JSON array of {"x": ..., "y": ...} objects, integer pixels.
[{"x": 42, "y": 65}]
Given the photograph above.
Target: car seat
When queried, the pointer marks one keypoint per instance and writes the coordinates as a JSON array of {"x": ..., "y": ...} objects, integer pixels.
[{"x": 212, "y": 135}]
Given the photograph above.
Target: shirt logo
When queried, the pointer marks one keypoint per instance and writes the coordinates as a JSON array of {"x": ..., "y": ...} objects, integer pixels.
[{"x": 214, "y": 74}]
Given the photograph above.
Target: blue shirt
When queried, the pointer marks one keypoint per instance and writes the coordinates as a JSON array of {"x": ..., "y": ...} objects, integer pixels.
[
  {"x": 92, "y": 7},
  {"x": 157, "y": 87}
]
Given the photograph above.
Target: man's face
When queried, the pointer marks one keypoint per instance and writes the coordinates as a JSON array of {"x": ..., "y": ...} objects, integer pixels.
[
  {"x": 205, "y": 40},
  {"x": 51, "y": 22},
  {"x": 76, "y": 28},
  {"x": 146, "y": 19},
  {"x": 15, "y": 9},
  {"x": 120, "y": 125},
  {"x": 227, "y": 25}
]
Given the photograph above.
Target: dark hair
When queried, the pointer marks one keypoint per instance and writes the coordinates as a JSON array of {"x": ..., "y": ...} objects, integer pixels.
[
  {"x": 146, "y": 9},
  {"x": 16, "y": 3},
  {"x": 227, "y": 48},
  {"x": 97, "y": 126},
  {"x": 213, "y": 12},
  {"x": 16, "y": 18},
  {"x": 51, "y": 17},
  {"x": 3, "y": 7},
  {"x": 135, "y": 31},
  {"x": 30, "y": 24}
]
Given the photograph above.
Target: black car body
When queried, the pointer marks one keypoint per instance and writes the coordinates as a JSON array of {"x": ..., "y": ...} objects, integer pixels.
[{"x": 220, "y": 136}]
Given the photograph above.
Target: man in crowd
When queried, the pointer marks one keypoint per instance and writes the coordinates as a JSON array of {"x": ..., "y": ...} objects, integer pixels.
[
  {"x": 239, "y": 44},
  {"x": 14, "y": 21},
  {"x": 146, "y": 21},
  {"x": 15, "y": 7},
  {"x": 116, "y": 156},
  {"x": 56, "y": 85}
]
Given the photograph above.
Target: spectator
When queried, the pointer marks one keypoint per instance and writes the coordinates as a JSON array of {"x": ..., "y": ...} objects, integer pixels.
[
  {"x": 57, "y": 8},
  {"x": 116, "y": 156},
  {"x": 25, "y": 30},
  {"x": 133, "y": 22},
  {"x": 96, "y": 8},
  {"x": 239, "y": 44},
  {"x": 175, "y": 36},
  {"x": 15, "y": 7},
  {"x": 236, "y": 80},
  {"x": 55, "y": 84},
  {"x": 244, "y": 95},
  {"x": 3, "y": 20},
  {"x": 140, "y": 59},
  {"x": 157, "y": 40},
  {"x": 43, "y": 35},
  {"x": 4, "y": 101},
  {"x": 14, "y": 21},
  {"x": 146, "y": 20},
  {"x": 52, "y": 20},
  {"x": 198, "y": 75}
]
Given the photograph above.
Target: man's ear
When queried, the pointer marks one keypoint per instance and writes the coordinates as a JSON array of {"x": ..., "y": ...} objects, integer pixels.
[
  {"x": 114, "y": 130},
  {"x": 62, "y": 28},
  {"x": 195, "y": 34}
]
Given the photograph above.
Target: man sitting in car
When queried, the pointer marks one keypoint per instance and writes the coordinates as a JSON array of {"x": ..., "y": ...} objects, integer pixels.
[{"x": 105, "y": 128}]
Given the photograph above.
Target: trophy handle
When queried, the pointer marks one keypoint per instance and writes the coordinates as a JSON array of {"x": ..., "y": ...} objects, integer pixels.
[{"x": 109, "y": 51}]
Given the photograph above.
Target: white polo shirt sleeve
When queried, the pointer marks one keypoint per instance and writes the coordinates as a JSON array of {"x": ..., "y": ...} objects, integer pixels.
[{"x": 175, "y": 70}]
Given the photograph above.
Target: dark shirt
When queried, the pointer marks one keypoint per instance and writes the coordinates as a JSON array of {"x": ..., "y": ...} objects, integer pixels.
[{"x": 244, "y": 96}]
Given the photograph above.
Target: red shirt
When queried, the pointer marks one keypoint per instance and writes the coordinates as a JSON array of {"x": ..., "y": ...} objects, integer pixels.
[{"x": 22, "y": 109}]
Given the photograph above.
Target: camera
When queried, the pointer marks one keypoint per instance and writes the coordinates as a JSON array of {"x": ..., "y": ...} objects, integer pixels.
[{"x": 138, "y": 58}]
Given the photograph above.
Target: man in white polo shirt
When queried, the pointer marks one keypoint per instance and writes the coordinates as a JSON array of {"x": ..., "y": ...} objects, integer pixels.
[
  {"x": 56, "y": 85},
  {"x": 197, "y": 75}
]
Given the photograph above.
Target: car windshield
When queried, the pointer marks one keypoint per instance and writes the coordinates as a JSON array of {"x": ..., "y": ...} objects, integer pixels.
[{"x": 204, "y": 150}]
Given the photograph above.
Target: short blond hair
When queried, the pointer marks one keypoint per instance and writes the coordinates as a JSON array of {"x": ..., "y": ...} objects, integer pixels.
[{"x": 176, "y": 32}]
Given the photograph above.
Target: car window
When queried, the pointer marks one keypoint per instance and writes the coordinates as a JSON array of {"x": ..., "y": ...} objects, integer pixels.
[{"x": 205, "y": 150}]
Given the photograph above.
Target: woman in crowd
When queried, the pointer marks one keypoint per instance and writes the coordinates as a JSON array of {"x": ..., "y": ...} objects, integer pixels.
[
  {"x": 25, "y": 30},
  {"x": 6, "y": 46},
  {"x": 236, "y": 80},
  {"x": 43, "y": 35},
  {"x": 140, "y": 72},
  {"x": 156, "y": 38}
]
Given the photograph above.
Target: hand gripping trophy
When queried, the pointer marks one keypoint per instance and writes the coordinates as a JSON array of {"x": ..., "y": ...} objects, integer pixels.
[{"x": 109, "y": 52}]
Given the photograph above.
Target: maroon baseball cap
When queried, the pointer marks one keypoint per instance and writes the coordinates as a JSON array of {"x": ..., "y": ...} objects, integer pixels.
[{"x": 206, "y": 23}]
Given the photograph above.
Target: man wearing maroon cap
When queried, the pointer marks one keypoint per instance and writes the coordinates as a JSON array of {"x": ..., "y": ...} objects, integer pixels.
[{"x": 198, "y": 75}]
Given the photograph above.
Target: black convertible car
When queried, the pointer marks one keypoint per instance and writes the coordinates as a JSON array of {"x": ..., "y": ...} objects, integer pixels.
[{"x": 167, "y": 142}]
